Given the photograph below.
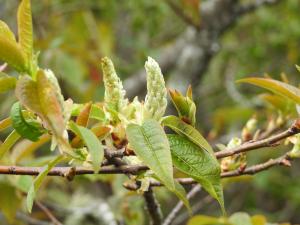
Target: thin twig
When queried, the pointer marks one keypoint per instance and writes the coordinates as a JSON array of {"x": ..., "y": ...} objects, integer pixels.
[
  {"x": 153, "y": 207},
  {"x": 48, "y": 213},
  {"x": 267, "y": 142},
  {"x": 170, "y": 218},
  {"x": 282, "y": 160}
]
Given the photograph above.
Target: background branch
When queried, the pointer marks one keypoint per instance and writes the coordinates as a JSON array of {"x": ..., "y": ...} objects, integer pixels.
[{"x": 153, "y": 207}]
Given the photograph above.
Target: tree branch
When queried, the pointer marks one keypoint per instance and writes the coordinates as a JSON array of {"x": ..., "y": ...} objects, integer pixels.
[
  {"x": 282, "y": 161},
  {"x": 267, "y": 142},
  {"x": 187, "y": 19},
  {"x": 153, "y": 207},
  {"x": 48, "y": 213},
  {"x": 126, "y": 169}
]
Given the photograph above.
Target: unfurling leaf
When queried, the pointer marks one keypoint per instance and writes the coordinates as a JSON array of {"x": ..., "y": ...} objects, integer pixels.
[
  {"x": 198, "y": 164},
  {"x": 114, "y": 95},
  {"x": 25, "y": 29},
  {"x": 156, "y": 98},
  {"x": 38, "y": 181},
  {"x": 44, "y": 98},
  {"x": 188, "y": 131},
  {"x": 275, "y": 86},
  {"x": 93, "y": 144},
  {"x": 29, "y": 130},
  {"x": 6, "y": 82},
  {"x": 151, "y": 145},
  {"x": 184, "y": 105}
]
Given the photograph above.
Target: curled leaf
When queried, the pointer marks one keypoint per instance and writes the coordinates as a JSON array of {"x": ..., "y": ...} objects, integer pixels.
[{"x": 27, "y": 130}]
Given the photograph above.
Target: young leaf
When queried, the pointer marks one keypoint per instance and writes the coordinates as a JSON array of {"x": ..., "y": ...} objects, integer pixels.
[
  {"x": 44, "y": 98},
  {"x": 5, "y": 32},
  {"x": 184, "y": 105},
  {"x": 93, "y": 144},
  {"x": 38, "y": 181},
  {"x": 25, "y": 129},
  {"x": 151, "y": 145},
  {"x": 6, "y": 82},
  {"x": 188, "y": 131},
  {"x": 25, "y": 29},
  {"x": 11, "y": 53},
  {"x": 9, "y": 142},
  {"x": 275, "y": 86},
  {"x": 84, "y": 115},
  {"x": 200, "y": 165}
]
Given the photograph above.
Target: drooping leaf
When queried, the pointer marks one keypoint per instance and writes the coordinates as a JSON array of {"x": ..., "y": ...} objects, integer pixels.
[
  {"x": 25, "y": 28},
  {"x": 6, "y": 82},
  {"x": 181, "y": 194},
  {"x": 11, "y": 139},
  {"x": 38, "y": 181},
  {"x": 151, "y": 145},
  {"x": 11, "y": 53},
  {"x": 5, "y": 32},
  {"x": 278, "y": 87},
  {"x": 27, "y": 130},
  {"x": 93, "y": 144},
  {"x": 188, "y": 131},
  {"x": 200, "y": 165}
]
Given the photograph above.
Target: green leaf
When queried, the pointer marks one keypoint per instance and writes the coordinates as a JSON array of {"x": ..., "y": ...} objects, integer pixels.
[
  {"x": 38, "y": 181},
  {"x": 12, "y": 138},
  {"x": 240, "y": 218},
  {"x": 188, "y": 131},
  {"x": 151, "y": 145},
  {"x": 93, "y": 144},
  {"x": 200, "y": 165},
  {"x": 208, "y": 220},
  {"x": 275, "y": 86},
  {"x": 25, "y": 28},
  {"x": 27, "y": 130},
  {"x": 6, "y": 82},
  {"x": 5, "y": 32},
  {"x": 11, "y": 53}
]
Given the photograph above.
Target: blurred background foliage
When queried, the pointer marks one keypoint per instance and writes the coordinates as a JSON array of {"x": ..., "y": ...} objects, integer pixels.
[{"x": 72, "y": 36}]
